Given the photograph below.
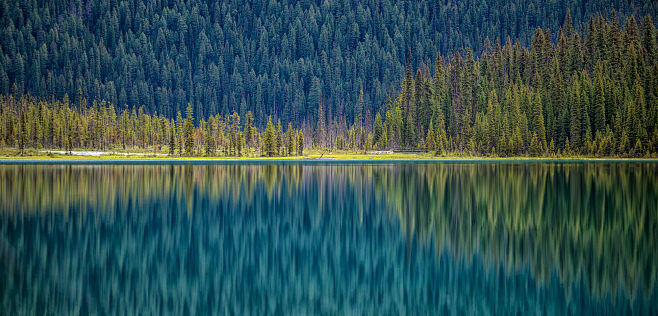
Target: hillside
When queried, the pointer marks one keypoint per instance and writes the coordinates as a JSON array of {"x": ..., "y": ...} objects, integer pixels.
[{"x": 279, "y": 58}]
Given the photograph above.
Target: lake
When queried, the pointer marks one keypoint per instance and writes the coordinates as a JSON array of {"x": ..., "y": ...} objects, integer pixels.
[{"x": 330, "y": 238}]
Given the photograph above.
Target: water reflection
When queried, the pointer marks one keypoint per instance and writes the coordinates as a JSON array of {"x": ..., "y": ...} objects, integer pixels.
[{"x": 288, "y": 238}]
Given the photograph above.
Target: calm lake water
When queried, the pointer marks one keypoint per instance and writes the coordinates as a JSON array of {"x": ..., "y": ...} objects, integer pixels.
[{"x": 387, "y": 238}]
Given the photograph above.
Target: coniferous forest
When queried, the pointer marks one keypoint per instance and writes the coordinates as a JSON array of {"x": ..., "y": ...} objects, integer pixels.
[
  {"x": 329, "y": 157},
  {"x": 231, "y": 79}
]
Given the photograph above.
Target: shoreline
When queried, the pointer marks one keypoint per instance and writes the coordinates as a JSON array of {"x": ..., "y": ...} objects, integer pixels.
[
  {"x": 310, "y": 159},
  {"x": 371, "y": 157}
]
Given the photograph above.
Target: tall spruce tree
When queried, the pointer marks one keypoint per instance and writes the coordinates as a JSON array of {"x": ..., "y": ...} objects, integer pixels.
[
  {"x": 189, "y": 130},
  {"x": 269, "y": 142}
]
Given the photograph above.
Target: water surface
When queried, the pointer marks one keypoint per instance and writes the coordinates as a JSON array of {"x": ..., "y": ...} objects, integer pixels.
[{"x": 387, "y": 238}]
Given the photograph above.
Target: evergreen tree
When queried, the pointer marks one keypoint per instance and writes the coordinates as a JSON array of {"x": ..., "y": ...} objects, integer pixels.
[
  {"x": 278, "y": 139},
  {"x": 441, "y": 141},
  {"x": 235, "y": 138},
  {"x": 576, "y": 115},
  {"x": 300, "y": 143},
  {"x": 189, "y": 130},
  {"x": 321, "y": 133},
  {"x": 430, "y": 139},
  {"x": 378, "y": 133},
  {"x": 599, "y": 101},
  {"x": 249, "y": 130},
  {"x": 22, "y": 132},
  {"x": 208, "y": 140},
  {"x": 539, "y": 125},
  {"x": 181, "y": 135},
  {"x": 290, "y": 140},
  {"x": 172, "y": 139},
  {"x": 269, "y": 142}
]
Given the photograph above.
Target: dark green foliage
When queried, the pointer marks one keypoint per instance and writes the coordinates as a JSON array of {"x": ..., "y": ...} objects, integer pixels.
[
  {"x": 22, "y": 132},
  {"x": 300, "y": 143},
  {"x": 235, "y": 138},
  {"x": 596, "y": 88},
  {"x": 249, "y": 132},
  {"x": 172, "y": 140},
  {"x": 546, "y": 98},
  {"x": 320, "y": 129},
  {"x": 188, "y": 129},
  {"x": 290, "y": 140},
  {"x": 280, "y": 58},
  {"x": 269, "y": 139},
  {"x": 278, "y": 138}
]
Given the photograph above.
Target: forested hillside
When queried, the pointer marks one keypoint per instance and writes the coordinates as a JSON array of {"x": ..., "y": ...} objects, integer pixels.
[
  {"x": 594, "y": 94},
  {"x": 279, "y": 58}
]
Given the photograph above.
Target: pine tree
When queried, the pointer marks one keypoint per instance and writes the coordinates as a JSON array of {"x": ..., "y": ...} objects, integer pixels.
[
  {"x": 493, "y": 119},
  {"x": 321, "y": 134},
  {"x": 22, "y": 132},
  {"x": 539, "y": 125},
  {"x": 624, "y": 143},
  {"x": 235, "y": 138},
  {"x": 576, "y": 115},
  {"x": 358, "y": 113},
  {"x": 439, "y": 93},
  {"x": 430, "y": 139},
  {"x": 599, "y": 101},
  {"x": 249, "y": 130},
  {"x": 290, "y": 140},
  {"x": 535, "y": 145},
  {"x": 300, "y": 143},
  {"x": 406, "y": 107},
  {"x": 269, "y": 142},
  {"x": 637, "y": 149},
  {"x": 567, "y": 148},
  {"x": 362, "y": 138},
  {"x": 181, "y": 135},
  {"x": 189, "y": 130},
  {"x": 632, "y": 121},
  {"x": 551, "y": 148},
  {"x": 378, "y": 132},
  {"x": 441, "y": 140},
  {"x": 208, "y": 140},
  {"x": 172, "y": 139},
  {"x": 278, "y": 140}
]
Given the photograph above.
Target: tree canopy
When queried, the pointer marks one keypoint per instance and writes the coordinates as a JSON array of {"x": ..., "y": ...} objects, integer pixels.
[{"x": 279, "y": 58}]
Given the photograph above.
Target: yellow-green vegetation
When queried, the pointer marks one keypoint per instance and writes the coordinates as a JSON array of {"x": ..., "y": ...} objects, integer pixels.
[{"x": 12, "y": 154}]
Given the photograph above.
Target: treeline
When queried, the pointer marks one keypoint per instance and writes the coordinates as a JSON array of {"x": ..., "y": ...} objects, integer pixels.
[
  {"x": 594, "y": 95},
  {"x": 29, "y": 123},
  {"x": 278, "y": 57}
]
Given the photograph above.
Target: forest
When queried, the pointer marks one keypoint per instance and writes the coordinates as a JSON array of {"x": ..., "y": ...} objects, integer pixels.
[
  {"x": 590, "y": 93},
  {"x": 277, "y": 57}
]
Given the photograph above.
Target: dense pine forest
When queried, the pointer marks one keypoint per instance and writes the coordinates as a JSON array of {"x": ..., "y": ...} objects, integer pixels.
[
  {"x": 592, "y": 92},
  {"x": 278, "y": 58}
]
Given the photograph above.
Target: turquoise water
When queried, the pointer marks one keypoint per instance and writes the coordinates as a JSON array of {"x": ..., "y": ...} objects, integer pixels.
[{"x": 329, "y": 238}]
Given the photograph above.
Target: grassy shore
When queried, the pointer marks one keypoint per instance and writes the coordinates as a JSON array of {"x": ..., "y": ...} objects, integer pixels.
[{"x": 12, "y": 154}]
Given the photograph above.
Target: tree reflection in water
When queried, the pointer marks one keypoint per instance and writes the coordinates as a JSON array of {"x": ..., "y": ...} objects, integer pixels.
[{"x": 555, "y": 238}]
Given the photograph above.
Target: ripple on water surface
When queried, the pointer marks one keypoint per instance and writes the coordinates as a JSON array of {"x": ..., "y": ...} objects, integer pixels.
[{"x": 388, "y": 238}]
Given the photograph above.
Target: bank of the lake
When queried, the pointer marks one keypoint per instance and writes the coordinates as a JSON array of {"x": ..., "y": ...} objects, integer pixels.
[
  {"x": 309, "y": 154},
  {"x": 356, "y": 159},
  {"x": 319, "y": 157}
]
